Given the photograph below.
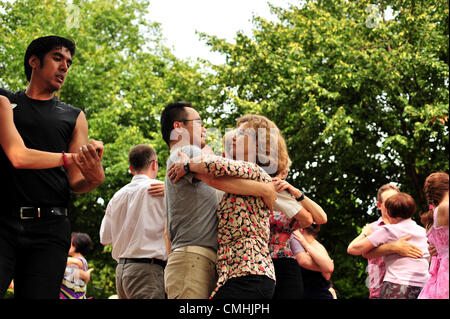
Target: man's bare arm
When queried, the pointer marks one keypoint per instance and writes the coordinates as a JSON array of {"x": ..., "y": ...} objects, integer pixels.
[{"x": 88, "y": 172}]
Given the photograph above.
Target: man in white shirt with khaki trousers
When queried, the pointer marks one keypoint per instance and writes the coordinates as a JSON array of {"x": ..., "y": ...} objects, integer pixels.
[{"x": 134, "y": 224}]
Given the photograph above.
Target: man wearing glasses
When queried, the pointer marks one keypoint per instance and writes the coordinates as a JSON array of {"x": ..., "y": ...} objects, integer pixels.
[{"x": 191, "y": 207}]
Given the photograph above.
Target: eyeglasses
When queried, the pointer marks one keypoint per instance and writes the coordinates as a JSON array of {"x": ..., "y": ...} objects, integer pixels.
[{"x": 196, "y": 121}]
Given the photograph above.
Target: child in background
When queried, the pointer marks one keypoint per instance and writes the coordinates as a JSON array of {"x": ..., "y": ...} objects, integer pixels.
[
  {"x": 77, "y": 274},
  {"x": 316, "y": 265},
  {"x": 436, "y": 222},
  {"x": 405, "y": 276}
]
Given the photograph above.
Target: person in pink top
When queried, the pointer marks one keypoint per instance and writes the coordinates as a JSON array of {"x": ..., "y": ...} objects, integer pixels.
[
  {"x": 376, "y": 268},
  {"x": 436, "y": 222},
  {"x": 405, "y": 276}
]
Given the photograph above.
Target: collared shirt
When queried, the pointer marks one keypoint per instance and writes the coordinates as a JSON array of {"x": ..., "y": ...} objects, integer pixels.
[
  {"x": 191, "y": 207},
  {"x": 134, "y": 222},
  {"x": 400, "y": 269}
]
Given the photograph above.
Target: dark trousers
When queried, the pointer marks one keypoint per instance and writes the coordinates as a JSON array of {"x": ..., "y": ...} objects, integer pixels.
[
  {"x": 33, "y": 253},
  {"x": 289, "y": 279},
  {"x": 247, "y": 287}
]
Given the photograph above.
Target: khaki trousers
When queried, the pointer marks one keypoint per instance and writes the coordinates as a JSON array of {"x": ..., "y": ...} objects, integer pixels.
[
  {"x": 190, "y": 273},
  {"x": 140, "y": 281}
]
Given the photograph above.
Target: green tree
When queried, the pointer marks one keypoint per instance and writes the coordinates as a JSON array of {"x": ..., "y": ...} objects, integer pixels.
[
  {"x": 122, "y": 77},
  {"x": 362, "y": 100}
]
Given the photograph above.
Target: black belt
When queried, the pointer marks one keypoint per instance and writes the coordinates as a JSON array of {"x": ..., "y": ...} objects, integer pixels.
[
  {"x": 160, "y": 262},
  {"x": 38, "y": 212}
]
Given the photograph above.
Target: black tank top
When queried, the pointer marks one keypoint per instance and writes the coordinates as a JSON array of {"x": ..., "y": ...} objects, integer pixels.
[{"x": 46, "y": 126}]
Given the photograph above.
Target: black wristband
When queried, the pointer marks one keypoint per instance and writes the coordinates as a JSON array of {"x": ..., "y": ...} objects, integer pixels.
[
  {"x": 301, "y": 197},
  {"x": 186, "y": 167}
]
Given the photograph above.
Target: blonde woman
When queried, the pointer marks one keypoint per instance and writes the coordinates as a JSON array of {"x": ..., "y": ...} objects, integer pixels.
[
  {"x": 292, "y": 209},
  {"x": 244, "y": 257}
]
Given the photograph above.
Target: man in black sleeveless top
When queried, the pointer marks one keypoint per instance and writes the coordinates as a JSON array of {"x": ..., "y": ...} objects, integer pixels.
[{"x": 34, "y": 227}]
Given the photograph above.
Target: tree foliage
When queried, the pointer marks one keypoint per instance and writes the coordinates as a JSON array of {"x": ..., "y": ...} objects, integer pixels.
[{"x": 362, "y": 100}]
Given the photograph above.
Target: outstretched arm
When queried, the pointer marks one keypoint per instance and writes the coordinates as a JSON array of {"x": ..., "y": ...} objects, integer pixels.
[{"x": 19, "y": 155}]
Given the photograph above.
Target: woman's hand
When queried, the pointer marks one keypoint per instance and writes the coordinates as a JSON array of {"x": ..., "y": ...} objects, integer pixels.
[
  {"x": 270, "y": 196},
  {"x": 299, "y": 236},
  {"x": 281, "y": 185},
  {"x": 176, "y": 170}
]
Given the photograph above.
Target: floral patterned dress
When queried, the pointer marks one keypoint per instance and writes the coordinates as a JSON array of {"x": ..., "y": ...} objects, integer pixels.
[
  {"x": 281, "y": 228},
  {"x": 437, "y": 286},
  {"x": 243, "y": 230}
]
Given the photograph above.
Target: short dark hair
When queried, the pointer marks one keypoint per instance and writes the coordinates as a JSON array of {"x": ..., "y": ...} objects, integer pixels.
[
  {"x": 141, "y": 156},
  {"x": 173, "y": 112},
  {"x": 400, "y": 205},
  {"x": 313, "y": 229},
  {"x": 41, "y": 46},
  {"x": 82, "y": 242},
  {"x": 385, "y": 188}
]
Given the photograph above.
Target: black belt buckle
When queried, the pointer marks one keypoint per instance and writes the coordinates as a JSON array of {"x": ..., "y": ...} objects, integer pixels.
[{"x": 29, "y": 217}]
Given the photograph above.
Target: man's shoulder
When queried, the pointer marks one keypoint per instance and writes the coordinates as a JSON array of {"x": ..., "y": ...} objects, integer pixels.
[
  {"x": 190, "y": 150},
  {"x": 121, "y": 192},
  {"x": 135, "y": 185},
  {"x": 67, "y": 107},
  {"x": 12, "y": 96},
  {"x": 377, "y": 223}
]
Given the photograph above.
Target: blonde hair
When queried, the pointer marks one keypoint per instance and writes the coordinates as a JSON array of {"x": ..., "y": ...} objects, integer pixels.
[
  {"x": 227, "y": 142},
  {"x": 272, "y": 133}
]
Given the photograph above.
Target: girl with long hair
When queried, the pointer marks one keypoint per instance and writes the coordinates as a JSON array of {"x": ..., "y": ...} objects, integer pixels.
[{"x": 436, "y": 222}]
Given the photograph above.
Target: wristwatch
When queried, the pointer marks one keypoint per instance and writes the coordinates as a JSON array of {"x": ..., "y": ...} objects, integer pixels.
[
  {"x": 186, "y": 167},
  {"x": 301, "y": 197}
]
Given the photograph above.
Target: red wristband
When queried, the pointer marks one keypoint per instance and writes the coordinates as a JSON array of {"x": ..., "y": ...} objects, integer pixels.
[{"x": 64, "y": 157}]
